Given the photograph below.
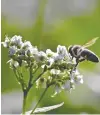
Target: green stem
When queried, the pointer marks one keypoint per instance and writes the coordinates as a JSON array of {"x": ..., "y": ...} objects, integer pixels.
[
  {"x": 24, "y": 101},
  {"x": 25, "y": 92},
  {"x": 39, "y": 100},
  {"x": 38, "y": 77},
  {"x": 18, "y": 78}
]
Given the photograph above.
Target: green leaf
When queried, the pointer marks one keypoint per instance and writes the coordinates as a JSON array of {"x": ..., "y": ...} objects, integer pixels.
[{"x": 45, "y": 109}]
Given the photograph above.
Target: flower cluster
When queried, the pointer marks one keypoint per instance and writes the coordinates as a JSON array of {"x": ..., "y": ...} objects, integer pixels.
[{"x": 58, "y": 67}]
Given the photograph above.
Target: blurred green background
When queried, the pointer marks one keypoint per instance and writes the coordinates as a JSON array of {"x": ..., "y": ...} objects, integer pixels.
[{"x": 71, "y": 28}]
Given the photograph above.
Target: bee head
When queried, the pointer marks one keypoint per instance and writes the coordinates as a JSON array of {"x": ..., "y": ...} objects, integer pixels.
[
  {"x": 70, "y": 48},
  {"x": 73, "y": 50}
]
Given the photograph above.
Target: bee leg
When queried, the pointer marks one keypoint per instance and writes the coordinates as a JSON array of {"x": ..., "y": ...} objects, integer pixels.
[
  {"x": 81, "y": 60},
  {"x": 72, "y": 58},
  {"x": 74, "y": 69},
  {"x": 77, "y": 62}
]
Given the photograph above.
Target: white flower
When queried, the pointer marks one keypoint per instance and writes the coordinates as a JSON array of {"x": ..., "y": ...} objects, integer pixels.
[
  {"x": 13, "y": 63},
  {"x": 78, "y": 79},
  {"x": 68, "y": 85},
  {"x": 57, "y": 57},
  {"x": 31, "y": 51},
  {"x": 62, "y": 51},
  {"x": 55, "y": 72},
  {"x": 16, "y": 40},
  {"x": 12, "y": 50},
  {"x": 77, "y": 72},
  {"x": 40, "y": 56},
  {"x": 6, "y": 42},
  {"x": 53, "y": 56},
  {"x": 74, "y": 73},
  {"x": 34, "y": 50},
  {"x": 26, "y": 44},
  {"x": 49, "y": 53},
  {"x": 57, "y": 90},
  {"x": 51, "y": 61}
]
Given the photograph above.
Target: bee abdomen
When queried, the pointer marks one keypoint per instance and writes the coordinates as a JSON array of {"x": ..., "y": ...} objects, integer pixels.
[{"x": 90, "y": 55}]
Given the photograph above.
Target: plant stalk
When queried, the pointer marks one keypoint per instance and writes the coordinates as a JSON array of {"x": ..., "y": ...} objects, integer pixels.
[
  {"x": 39, "y": 100},
  {"x": 24, "y": 101}
]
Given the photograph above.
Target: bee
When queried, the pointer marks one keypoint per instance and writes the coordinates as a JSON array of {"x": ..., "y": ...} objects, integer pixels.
[{"x": 81, "y": 53}]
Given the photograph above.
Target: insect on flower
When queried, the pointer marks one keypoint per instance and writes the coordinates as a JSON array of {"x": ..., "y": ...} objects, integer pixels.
[{"x": 81, "y": 53}]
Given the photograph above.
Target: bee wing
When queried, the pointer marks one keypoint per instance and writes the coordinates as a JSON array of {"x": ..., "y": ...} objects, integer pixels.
[{"x": 90, "y": 43}]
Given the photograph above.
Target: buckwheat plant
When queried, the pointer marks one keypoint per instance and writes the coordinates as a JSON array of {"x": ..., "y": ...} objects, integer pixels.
[{"x": 57, "y": 69}]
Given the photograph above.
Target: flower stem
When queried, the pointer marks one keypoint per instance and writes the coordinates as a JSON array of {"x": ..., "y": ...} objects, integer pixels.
[
  {"x": 39, "y": 100},
  {"x": 24, "y": 101}
]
